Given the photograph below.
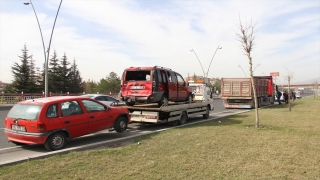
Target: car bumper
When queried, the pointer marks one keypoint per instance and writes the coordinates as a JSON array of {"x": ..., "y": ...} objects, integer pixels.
[{"x": 25, "y": 137}]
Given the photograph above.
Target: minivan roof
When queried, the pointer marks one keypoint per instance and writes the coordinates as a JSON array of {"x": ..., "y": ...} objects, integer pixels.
[{"x": 147, "y": 68}]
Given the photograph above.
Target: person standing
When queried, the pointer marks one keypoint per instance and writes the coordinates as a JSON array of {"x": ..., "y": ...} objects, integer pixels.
[
  {"x": 286, "y": 97},
  {"x": 279, "y": 96}
]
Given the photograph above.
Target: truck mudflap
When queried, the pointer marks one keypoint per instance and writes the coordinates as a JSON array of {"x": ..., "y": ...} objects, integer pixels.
[{"x": 239, "y": 106}]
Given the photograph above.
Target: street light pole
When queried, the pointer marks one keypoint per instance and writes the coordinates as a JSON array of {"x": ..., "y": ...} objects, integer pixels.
[
  {"x": 242, "y": 70},
  {"x": 212, "y": 58},
  {"x": 199, "y": 62},
  {"x": 46, "y": 58}
]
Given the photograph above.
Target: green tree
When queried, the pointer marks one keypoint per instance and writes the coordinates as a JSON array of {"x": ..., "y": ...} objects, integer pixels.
[
  {"x": 54, "y": 74},
  {"x": 110, "y": 84},
  {"x": 76, "y": 79},
  {"x": 114, "y": 83},
  {"x": 89, "y": 86},
  {"x": 22, "y": 74},
  {"x": 64, "y": 75}
]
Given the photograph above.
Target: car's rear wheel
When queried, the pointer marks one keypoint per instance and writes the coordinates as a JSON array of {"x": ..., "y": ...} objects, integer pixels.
[
  {"x": 163, "y": 101},
  {"x": 56, "y": 141},
  {"x": 121, "y": 124}
]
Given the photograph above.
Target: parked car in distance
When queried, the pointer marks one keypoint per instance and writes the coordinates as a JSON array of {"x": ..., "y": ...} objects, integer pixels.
[
  {"x": 52, "y": 121},
  {"x": 298, "y": 94},
  {"x": 153, "y": 85},
  {"x": 108, "y": 100}
]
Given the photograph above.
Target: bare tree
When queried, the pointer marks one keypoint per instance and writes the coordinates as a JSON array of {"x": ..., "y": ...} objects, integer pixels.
[{"x": 246, "y": 36}]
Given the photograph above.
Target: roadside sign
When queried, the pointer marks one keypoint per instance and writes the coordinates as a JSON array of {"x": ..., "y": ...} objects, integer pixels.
[{"x": 274, "y": 74}]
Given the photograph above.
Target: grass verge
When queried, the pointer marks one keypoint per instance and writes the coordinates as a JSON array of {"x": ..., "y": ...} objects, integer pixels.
[{"x": 286, "y": 146}]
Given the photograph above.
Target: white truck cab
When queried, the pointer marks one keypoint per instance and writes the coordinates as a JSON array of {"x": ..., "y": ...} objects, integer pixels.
[{"x": 202, "y": 92}]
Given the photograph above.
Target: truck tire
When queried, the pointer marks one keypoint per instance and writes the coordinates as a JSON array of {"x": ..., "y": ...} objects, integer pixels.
[
  {"x": 206, "y": 115},
  {"x": 183, "y": 118},
  {"x": 163, "y": 101},
  {"x": 121, "y": 124},
  {"x": 56, "y": 141}
]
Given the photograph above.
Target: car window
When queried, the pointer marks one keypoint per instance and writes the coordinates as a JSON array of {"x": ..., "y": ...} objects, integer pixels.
[
  {"x": 25, "y": 111},
  {"x": 163, "y": 74},
  {"x": 173, "y": 77},
  {"x": 52, "y": 111},
  {"x": 110, "y": 98},
  {"x": 180, "y": 80},
  {"x": 92, "y": 106},
  {"x": 100, "y": 98},
  {"x": 69, "y": 108}
]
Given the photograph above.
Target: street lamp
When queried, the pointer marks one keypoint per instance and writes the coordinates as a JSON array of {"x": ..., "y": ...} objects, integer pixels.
[
  {"x": 46, "y": 58},
  {"x": 212, "y": 58},
  {"x": 199, "y": 62},
  {"x": 242, "y": 70}
]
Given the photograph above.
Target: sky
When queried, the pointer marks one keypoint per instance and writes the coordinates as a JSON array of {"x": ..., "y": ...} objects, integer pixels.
[{"x": 104, "y": 36}]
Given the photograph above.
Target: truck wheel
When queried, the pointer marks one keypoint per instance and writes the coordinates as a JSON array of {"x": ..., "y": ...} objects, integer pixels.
[
  {"x": 183, "y": 118},
  {"x": 56, "y": 141},
  {"x": 189, "y": 99},
  {"x": 206, "y": 115},
  {"x": 121, "y": 124},
  {"x": 163, "y": 101}
]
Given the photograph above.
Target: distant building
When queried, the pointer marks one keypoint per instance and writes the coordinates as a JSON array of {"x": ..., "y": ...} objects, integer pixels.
[{"x": 3, "y": 85}]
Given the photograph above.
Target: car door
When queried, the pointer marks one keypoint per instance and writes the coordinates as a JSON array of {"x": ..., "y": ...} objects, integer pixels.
[
  {"x": 101, "y": 117},
  {"x": 74, "y": 119},
  {"x": 172, "y": 86},
  {"x": 182, "y": 88}
]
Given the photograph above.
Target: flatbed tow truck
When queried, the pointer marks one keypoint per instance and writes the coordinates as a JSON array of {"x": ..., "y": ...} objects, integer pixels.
[{"x": 175, "y": 113}]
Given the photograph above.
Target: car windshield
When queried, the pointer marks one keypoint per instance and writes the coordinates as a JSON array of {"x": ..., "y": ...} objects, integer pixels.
[{"x": 25, "y": 111}]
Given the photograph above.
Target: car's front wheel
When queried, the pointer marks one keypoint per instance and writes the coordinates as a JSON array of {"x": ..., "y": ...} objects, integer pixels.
[
  {"x": 121, "y": 124},
  {"x": 56, "y": 141}
]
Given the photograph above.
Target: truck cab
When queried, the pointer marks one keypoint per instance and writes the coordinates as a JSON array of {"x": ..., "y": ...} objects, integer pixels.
[{"x": 201, "y": 92}]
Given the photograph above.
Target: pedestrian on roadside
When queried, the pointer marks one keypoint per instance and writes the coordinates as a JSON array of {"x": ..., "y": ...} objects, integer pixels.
[
  {"x": 286, "y": 97},
  {"x": 279, "y": 96},
  {"x": 293, "y": 96}
]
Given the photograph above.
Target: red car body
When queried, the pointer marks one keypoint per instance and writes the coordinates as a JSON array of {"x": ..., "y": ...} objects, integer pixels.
[
  {"x": 52, "y": 121},
  {"x": 153, "y": 85}
]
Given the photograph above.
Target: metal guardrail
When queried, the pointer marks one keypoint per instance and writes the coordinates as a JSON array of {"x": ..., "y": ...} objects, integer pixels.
[{"x": 11, "y": 99}]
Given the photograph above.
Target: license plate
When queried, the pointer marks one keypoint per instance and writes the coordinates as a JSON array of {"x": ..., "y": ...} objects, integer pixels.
[
  {"x": 136, "y": 87},
  {"x": 18, "y": 128}
]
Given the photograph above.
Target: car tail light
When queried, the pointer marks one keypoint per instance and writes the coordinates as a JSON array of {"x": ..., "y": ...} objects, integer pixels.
[{"x": 41, "y": 127}]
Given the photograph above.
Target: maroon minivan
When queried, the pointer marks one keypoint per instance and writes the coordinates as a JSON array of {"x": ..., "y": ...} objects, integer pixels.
[{"x": 153, "y": 85}]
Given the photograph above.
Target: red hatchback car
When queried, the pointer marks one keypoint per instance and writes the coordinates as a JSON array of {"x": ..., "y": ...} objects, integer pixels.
[
  {"x": 52, "y": 121},
  {"x": 153, "y": 85}
]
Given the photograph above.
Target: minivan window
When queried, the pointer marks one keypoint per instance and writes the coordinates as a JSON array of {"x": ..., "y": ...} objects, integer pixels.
[
  {"x": 25, "y": 111},
  {"x": 142, "y": 75},
  {"x": 173, "y": 76},
  {"x": 180, "y": 80}
]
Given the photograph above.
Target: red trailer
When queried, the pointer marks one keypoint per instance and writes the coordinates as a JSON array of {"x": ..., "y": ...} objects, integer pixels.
[{"x": 238, "y": 92}]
